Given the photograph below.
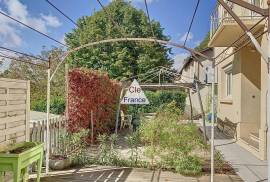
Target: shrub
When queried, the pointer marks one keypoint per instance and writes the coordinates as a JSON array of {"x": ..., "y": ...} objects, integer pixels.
[
  {"x": 107, "y": 153},
  {"x": 189, "y": 165},
  {"x": 134, "y": 141},
  {"x": 57, "y": 105},
  {"x": 92, "y": 91},
  {"x": 159, "y": 98},
  {"x": 173, "y": 142},
  {"x": 74, "y": 145}
]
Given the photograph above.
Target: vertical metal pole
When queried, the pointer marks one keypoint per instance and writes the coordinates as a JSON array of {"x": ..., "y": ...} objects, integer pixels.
[
  {"x": 159, "y": 76},
  {"x": 92, "y": 127},
  {"x": 201, "y": 107},
  {"x": 67, "y": 86},
  {"x": 212, "y": 123},
  {"x": 191, "y": 109},
  {"x": 268, "y": 96},
  {"x": 118, "y": 111},
  {"x": 48, "y": 118}
]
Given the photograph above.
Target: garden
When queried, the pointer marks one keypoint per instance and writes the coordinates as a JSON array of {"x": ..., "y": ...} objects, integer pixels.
[{"x": 165, "y": 141}]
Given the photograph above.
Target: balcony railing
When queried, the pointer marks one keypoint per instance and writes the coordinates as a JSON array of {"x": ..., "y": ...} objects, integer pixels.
[{"x": 221, "y": 16}]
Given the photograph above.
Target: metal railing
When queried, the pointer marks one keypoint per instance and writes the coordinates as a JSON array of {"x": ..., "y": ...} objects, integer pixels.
[{"x": 220, "y": 16}]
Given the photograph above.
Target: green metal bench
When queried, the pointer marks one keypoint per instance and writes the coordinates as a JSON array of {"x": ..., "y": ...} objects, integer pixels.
[{"x": 18, "y": 163}]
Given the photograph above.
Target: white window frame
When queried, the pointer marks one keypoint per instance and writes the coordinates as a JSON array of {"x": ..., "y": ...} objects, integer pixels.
[{"x": 229, "y": 81}]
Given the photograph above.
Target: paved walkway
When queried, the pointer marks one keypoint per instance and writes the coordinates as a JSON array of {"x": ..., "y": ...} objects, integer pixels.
[
  {"x": 111, "y": 174},
  {"x": 246, "y": 165}
]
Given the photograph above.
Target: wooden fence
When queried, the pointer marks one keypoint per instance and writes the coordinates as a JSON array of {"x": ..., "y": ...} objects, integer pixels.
[
  {"x": 14, "y": 110},
  {"x": 38, "y": 131}
]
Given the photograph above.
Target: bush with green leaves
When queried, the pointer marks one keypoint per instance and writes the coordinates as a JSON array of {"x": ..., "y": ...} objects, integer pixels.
[
  {"x": 170, "y": 141},
  {"x": 159, "y": 98},
  {"x": 107, "y": 153},
  {"x": 189, "y": 165},
  {"x": 134, "y": 141},
  {"x": 57, "y": 105},
  {"x": 74, "y": 146}
]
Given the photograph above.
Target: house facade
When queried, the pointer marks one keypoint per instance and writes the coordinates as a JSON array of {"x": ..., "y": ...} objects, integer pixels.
[
  {"x": 242, "y": 75},
  {"x": 202, "y": 71}
]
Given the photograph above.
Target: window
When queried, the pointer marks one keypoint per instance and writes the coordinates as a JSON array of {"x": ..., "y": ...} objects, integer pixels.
[{"x": 229, "y": 79}]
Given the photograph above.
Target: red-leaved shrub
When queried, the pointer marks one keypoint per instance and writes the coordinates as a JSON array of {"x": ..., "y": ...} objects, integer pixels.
[{"x": 92, "y": 91}]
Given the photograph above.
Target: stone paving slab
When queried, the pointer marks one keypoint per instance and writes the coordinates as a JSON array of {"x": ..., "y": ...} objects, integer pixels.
[
  {"x": 246, "y": 165},
  {"x": 114, "y": 174}
]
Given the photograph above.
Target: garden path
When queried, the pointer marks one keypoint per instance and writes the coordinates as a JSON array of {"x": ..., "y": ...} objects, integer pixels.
[{"x": 246, "y": 165}]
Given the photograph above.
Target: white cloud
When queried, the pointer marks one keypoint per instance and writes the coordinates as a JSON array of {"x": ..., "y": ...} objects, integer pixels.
[
  {"x": 189, "y": 38},
  {"x": 197, "y": 42},
  {"x": 51, "y": 20},
  {"x": 62, "y": 40},
  {"x": 179, "y": 60},
  {"x": 10, "y": 30}
]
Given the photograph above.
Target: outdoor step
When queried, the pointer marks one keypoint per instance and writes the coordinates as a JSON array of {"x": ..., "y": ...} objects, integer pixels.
[
  {"x": 254, "y": 137},
  {"x": 253, "y": 144}
]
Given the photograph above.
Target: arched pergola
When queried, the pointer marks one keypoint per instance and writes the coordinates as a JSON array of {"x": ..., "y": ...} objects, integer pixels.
[{"x": 115, "y": 40}]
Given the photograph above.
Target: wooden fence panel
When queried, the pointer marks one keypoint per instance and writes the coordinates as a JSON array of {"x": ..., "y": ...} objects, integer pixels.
[
  {"x": 14, "y": 110},
  {"x": 57, "y": 127}
]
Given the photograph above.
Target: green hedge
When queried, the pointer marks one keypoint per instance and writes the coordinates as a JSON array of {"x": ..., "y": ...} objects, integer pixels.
[
  {"x": 57, "y": 105},
  {"x": 158, "y": 99}
]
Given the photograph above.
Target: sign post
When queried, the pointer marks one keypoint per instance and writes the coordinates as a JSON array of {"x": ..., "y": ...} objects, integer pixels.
[{"x": 133, "y": 96}]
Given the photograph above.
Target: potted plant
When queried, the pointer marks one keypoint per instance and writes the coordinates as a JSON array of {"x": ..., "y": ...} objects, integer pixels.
[
  {"x": 18, "y": 156},
  {"x": 72, "y": 150}
]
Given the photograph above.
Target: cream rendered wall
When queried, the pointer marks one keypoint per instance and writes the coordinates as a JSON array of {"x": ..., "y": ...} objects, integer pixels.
[
  {"x": 251, "y": 91},
  {"x": 263, "y": 113},
  {"x": 249, "y": 100},
  {"x": 205, "y": 96},
  {"x": 187, "y": 74},
  {"x": 229, "y": 107},
  {"x": 248, "y": 103}
]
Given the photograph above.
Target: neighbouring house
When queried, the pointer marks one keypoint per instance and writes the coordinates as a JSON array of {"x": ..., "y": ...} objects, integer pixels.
[
  {"x": 202, "y": 71},
  {"x": 242, "y": 77}
]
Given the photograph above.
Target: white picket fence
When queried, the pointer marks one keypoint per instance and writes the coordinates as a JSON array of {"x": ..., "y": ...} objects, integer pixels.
[{"x": 57, "y": 127}]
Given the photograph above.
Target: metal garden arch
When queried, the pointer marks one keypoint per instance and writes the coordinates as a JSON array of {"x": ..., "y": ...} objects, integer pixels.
[{"x": 151, "y": 40}]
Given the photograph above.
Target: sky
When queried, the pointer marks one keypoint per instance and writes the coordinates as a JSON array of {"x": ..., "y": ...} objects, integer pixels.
[{"x": 174, "y": 16}]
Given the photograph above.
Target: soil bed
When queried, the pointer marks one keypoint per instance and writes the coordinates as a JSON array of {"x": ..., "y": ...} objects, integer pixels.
[
  {"x": 20, "y": 148},
  {"x": 58, "y": 157},
  {"x": 225, "y": 168}
]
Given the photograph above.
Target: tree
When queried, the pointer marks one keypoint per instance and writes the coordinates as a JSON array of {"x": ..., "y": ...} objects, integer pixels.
[
  {"x": 124, "y": 59},
  {"x": 38, "y": 77},
  {"x": 204, "y": 43}
]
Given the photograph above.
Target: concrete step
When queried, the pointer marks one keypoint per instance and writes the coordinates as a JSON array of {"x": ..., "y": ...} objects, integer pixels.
[
  {"x": 254, "y": 137},
  {"x": 253, "y": 144}
]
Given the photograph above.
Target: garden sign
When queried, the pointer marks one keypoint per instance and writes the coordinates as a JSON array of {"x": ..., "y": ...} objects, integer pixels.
[{"x": 134, "y": 95}]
